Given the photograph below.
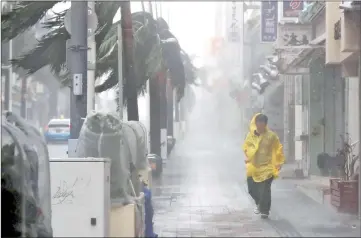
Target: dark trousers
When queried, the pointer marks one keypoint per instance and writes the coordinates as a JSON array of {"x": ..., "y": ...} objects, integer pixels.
[{"x": 261, "y": 193}]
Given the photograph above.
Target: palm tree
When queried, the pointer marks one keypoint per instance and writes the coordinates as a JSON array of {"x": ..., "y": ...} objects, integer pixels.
[
  {"x": 130, "y": 80},
  {"x": 50, "y": 49},
  {"x": 149, "y": 51}
]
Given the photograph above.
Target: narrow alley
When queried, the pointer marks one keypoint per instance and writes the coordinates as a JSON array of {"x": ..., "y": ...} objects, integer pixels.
[{"x": 203, "y": 193}]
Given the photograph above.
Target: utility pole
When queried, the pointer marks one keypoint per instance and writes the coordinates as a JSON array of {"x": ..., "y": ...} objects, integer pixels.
[
  {"x": 91, "y": 62},
  {"x": 78, "y": 67},
  {"x": 23, "y": 105},
  {"x": 127, "y": 30},
  {"x": 8, "y": 84},
  {"x": 170, "y": 108},
  {"x": 162, "y": 85},
  {"x": 359, "y": 144},
  {"x": 9, "y": 79},
  {"x": 120, "y": 69},
  {"x": 143, "y": 6},
  {"x": 154, "y": 110}
]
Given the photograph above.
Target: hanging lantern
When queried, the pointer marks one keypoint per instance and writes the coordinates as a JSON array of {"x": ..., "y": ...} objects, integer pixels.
[
  {"x": 259, "y": 82},
  {"x": 270, "y": 70}
]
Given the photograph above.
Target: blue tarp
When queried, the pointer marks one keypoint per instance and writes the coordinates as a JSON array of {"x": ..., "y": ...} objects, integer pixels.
[{"x": 149, "y": 212}]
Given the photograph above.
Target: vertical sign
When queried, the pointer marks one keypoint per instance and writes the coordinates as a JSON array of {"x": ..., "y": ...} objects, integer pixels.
[
  {"x": 292, "y": 9},
  {"x": 234, "y": 28},
  {"x": 269, "y": 21}
]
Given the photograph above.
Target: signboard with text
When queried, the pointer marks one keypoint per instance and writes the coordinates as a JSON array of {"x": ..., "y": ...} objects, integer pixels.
[
  {"x": 234, "y": 31},
  {"x": 296, "y": 36},
  {"x": 291, "y": 10},
  {"x": 269, "y": 21}
]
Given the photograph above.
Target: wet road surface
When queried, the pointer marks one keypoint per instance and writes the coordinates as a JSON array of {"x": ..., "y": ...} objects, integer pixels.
[{"x": 202, "y": 191}]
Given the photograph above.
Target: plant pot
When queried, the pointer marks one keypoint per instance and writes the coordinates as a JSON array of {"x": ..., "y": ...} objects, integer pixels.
[{"x": 344, "y": 195}]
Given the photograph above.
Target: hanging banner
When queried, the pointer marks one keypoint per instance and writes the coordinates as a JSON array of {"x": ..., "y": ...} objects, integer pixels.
[
  {"x": 269, "y": 21},
  {"x": 291, "y": 9},
  {"x": 234, "y": 29}
]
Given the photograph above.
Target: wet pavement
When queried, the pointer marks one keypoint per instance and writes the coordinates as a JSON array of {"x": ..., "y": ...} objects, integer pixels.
[{"x": 202, "y": 191}]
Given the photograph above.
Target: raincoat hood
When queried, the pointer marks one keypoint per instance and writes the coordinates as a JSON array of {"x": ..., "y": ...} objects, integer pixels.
[{"x": 252, "y": 124}]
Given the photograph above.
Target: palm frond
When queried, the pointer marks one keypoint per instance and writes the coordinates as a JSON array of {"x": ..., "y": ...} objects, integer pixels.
[
  {"x": 172, "y": 58},
  {"x": 191, "y": 72},
  {"x": 105, "y": 12},
  {"x": 106, "y": 65},
  {"x": 109, "y": 41},
  {"x": 50, "y": 50},
  {"x": 174, "y": 63},
  {"x": 147, "y": 52},
  {"x": 23, "y": 16}
]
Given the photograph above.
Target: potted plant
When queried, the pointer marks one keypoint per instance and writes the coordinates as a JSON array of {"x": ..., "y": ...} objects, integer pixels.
[{"x": 344, "y": 189}]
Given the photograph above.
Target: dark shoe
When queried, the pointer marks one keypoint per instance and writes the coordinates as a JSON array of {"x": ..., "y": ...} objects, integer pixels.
[{"x": 264, "y": 215}]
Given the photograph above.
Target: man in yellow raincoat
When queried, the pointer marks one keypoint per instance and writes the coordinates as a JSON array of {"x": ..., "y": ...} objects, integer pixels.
[{"x": 264, "y": 158}]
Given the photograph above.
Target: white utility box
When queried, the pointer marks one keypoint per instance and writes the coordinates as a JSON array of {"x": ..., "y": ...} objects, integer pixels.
[{"x": 80, "y": 197}]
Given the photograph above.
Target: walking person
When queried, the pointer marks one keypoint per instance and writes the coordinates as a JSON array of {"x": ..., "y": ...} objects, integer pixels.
[{"x": 264, "y": 158}]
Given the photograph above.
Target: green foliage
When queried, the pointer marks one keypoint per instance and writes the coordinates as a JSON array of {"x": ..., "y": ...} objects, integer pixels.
[
  {"x": 23, "y": 16},
  {"x": 149, "y": 53}
]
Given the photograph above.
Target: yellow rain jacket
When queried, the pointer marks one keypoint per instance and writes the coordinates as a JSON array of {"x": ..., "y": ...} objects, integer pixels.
[{"x": 264, "y": 153}]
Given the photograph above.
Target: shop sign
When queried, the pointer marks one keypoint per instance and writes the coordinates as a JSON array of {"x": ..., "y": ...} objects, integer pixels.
[
  {"x": 290, "y": 10},
  {"x": 269, "y": 21},
  {"x": 234, "y": 33},
  {"x": 291, "y": 35}
]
